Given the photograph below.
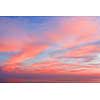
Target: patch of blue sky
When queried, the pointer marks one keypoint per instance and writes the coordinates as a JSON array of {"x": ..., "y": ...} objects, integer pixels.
[
  {"x": 34, "y": 23},
  {"x": 4, "y": 56}
]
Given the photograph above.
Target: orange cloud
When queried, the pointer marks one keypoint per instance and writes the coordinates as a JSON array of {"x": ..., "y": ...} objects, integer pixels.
[
  {"x": 71, "y": 33},
  {"x": 81, "y": 26},
  {"x": 54, "y": 68},
  {"x": 83, "y": 51},
  {"x": 27, "y": 52},
  {"x": 9, "y": 68},
  {"x": 75, "y": 31}
]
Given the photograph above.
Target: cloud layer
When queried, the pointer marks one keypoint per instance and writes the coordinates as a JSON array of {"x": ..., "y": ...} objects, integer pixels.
[{"x": 51, "y": 45}]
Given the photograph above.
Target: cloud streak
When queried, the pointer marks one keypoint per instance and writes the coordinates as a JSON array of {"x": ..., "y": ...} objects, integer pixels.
[{"x": 71, "y": 46}]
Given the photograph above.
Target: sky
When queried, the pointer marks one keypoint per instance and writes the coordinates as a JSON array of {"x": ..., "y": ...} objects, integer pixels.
[{"x": 49, "y": 49}]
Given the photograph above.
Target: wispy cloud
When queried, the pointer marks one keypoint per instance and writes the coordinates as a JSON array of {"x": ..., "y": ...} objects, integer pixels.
[{"x": 71, "y": 46}]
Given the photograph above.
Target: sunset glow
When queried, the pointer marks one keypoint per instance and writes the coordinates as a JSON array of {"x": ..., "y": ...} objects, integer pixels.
[{"x": 49, "y": 49}]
